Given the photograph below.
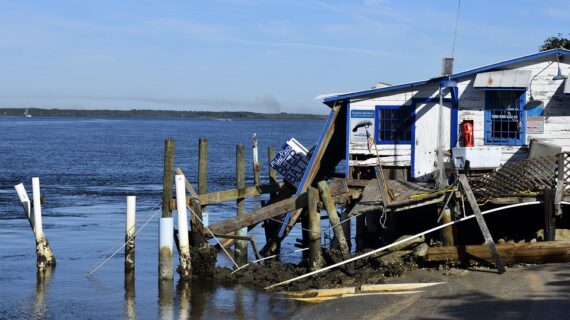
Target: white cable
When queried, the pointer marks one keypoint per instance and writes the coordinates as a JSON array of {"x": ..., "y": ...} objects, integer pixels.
[
  {"x": 369, "y": 253},
  {"x": 123, "y": 245}
]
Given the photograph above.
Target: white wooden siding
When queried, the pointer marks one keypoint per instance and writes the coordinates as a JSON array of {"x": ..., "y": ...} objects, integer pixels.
[{"x": 472, "y": 107}]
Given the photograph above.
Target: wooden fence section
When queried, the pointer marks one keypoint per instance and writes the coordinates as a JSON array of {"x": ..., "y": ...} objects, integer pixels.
[{"x": 524, "y": 178}]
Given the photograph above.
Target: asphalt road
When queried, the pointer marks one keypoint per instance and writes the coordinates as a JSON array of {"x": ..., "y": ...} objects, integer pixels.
[{"x": 532, "y": 292}]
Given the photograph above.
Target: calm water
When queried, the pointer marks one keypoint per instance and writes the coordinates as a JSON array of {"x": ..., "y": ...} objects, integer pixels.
[{"x": 87, "y": 167}]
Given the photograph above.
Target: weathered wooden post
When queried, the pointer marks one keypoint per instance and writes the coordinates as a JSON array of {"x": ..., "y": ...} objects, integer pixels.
[
  {"x": 165, "y": 265},
  {"x": 272, "y": 172},
  {"x": 447, "y": 232},
  {"x": 549, "y": 218},
  {"x": 271, "y": 227},
  {"x": 45, "y": 257},
  {"x": 130, "y": 231},
  {"x": 240, "y": 252},
  {"x": 185, "y": 267},
  {"x": 256, "y": 165},
  {"x": 333, "y": 217},
  {"x": 203, "y": 174},
  {"x": 316, "y": 260}
]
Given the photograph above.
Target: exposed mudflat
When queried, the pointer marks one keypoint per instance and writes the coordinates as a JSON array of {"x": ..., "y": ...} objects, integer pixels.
[{"x": 371, "y": 270}]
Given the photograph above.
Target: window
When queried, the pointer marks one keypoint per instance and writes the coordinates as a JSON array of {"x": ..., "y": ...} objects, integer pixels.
[
  {"x": 505, "y": 122},
  {"x": 393, "y": 124}
]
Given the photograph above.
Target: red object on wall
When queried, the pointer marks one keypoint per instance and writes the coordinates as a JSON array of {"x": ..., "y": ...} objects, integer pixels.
[{"x": 467, "y": 128}]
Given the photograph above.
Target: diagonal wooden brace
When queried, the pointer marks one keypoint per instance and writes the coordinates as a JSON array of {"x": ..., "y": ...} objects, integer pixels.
[{"x": 481, "y": 222}]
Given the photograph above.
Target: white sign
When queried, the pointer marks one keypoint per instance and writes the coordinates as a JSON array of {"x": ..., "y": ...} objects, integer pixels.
[
  {"x": 360, "y": 121},
  {"x": 291, "y": 162}
]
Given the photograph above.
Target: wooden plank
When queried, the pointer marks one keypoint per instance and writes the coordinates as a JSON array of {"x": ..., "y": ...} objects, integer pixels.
[
  {"x": 256, "y": 216},
  {"x": 481, "y": 222},
  {"x": 546, "y": 251},
  {"x": 234, "y": 194}
]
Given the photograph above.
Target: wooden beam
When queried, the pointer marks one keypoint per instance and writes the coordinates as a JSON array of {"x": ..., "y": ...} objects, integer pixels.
[
  {"x": 234, "y": 194},
  {"x": 546, "y": 251},
  {"x": 267, "y": 212},
  {"x": 482, "y": 225}
]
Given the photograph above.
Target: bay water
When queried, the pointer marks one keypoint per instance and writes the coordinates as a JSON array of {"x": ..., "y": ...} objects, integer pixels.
[{"x": 87, "y": 167}]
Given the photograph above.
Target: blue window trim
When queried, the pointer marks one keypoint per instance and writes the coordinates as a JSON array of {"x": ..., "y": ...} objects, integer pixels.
[
  {"x": 377, "y": 125},
  {"x": 506, "y": 142}
]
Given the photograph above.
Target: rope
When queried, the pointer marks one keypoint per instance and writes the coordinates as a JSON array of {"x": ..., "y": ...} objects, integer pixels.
[
  {"x": 99, "y": 265},
  {"x": 369, "y": 253}
]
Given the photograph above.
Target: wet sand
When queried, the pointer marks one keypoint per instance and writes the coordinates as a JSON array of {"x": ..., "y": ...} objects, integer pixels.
[{"x": 530, "y": 292}]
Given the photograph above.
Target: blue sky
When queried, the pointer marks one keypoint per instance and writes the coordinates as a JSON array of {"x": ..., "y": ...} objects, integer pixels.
[{"x": 264, "y": 56}]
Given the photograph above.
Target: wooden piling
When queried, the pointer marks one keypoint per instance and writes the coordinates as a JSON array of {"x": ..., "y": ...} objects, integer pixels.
[
  {"x": 333, "y": 217},
  {"x": 44, "y": 254},
  {"x": 271, "y": 227},
  {"x": 130, "y": 230},
  {"x": 185, "y": 267},
  {"x": 272, "y": 172},
  {"x": 165, "y": 265},
  {"x": 256, "y": 165},
  {"x": 447, "y": 232},
  {"x": 240, "y": 252},
  {"x": 316, "y": 260},
  {"x": 549, "y": 218},
  {"x": 198, "y": 239}
]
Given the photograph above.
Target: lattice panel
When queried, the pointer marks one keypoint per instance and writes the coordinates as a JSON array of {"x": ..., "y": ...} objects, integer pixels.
[{"x": 519, "y": 178}]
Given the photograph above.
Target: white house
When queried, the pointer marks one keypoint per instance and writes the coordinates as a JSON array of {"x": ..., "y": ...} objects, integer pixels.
[{"x": 508, "y": 103}]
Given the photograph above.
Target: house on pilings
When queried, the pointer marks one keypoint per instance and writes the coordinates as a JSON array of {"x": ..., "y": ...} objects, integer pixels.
[{"x": 506, "y": 126}]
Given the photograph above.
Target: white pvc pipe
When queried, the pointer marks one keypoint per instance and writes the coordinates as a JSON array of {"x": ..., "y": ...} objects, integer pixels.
[
  {"x": 255, "y": 152},
  {"x": 166, "y": 240},
  {"x": 38, "y": 228},
  {"x": 130, "y": 223},
  {"x": 183, "y": 240},
  {"x": 25, "y": 200},
  {"x": 369, "y": 253},
  {"x": 165, "y": 246}
]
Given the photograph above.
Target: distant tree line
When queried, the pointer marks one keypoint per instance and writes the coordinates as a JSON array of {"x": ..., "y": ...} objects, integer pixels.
[{"x": 144, "y": 113}]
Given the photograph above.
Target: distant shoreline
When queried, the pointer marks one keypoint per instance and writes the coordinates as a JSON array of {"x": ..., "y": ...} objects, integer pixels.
[{"x": 144, "y": 113}]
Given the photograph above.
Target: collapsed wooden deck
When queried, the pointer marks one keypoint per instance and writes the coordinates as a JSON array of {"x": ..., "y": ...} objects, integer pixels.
[{"x": 544, "y": 179}]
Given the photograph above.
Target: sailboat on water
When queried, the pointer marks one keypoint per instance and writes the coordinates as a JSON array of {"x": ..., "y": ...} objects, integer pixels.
[{"x": 27, "y": 114}]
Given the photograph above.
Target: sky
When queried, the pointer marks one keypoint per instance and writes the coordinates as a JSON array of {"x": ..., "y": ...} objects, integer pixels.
[{"x": 251, "y": 55}]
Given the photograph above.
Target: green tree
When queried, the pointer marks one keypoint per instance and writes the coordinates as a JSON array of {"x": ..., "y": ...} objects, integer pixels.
[{"x": 555, "y": 42}]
